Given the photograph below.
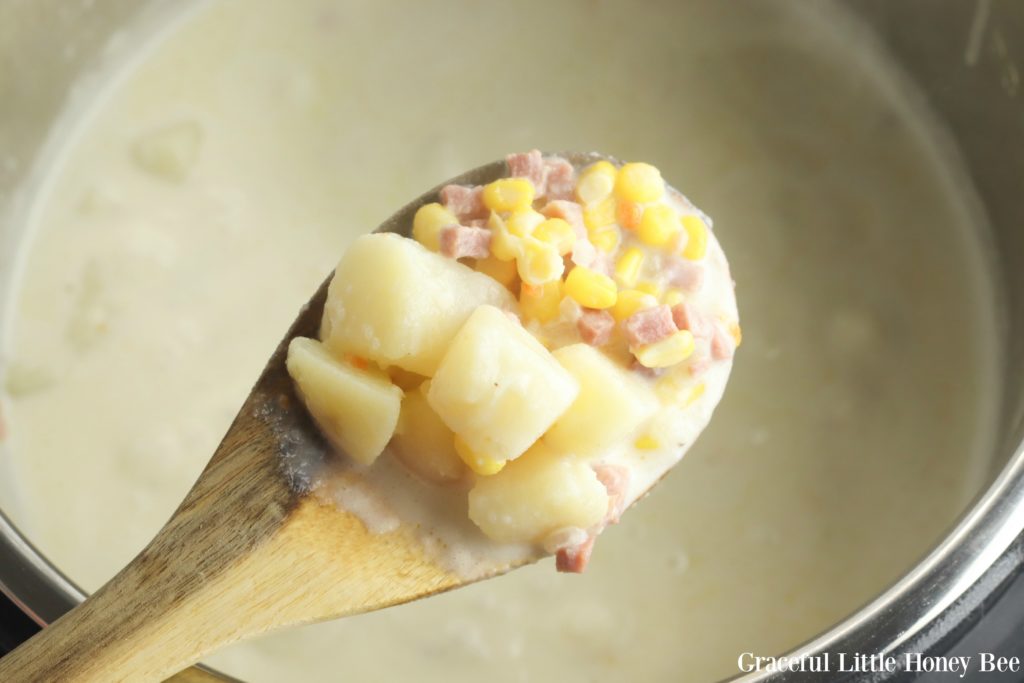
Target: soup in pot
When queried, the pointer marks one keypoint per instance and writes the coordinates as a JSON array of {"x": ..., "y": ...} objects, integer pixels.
[{"x": 210, "y": 186}]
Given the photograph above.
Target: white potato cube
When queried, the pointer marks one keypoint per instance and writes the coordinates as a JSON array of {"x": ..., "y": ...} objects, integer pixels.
[
  {"x": 535, "y": 495},
  {"x": 357, "y": 410},
  {"x": 397, "y": 303},
  {"x": 423, "y": 443},
  {"x": 611, "y": 404},
  {"x": 497, "y": 387}
]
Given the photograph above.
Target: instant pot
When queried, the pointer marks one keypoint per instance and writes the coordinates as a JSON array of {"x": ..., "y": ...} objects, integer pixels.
[{"x": 967, "y": 595}]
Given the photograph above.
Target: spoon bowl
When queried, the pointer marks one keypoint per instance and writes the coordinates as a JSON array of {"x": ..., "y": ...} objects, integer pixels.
[{"x": 249, "y": 550}]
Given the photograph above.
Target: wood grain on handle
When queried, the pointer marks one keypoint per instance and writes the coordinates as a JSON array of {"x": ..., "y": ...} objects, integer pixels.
[{"x": 242, "y": 555}]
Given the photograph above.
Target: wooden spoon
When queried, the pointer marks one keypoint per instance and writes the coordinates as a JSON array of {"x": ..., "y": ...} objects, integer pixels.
[{"x": 248, "y": 551}]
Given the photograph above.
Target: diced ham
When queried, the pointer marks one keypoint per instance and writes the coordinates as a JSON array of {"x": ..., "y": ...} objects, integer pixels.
[
  {"x": 722, "y": 344},
  {"x": 529, "y": 165},
  {"x": 649, "y": 325},
  {"x": 699, "y": 364},
  {"x": 559, "y": 178},
  {"x": 460, "y": 241},
  {"x": 687, "y": 317},
  {"x": 595, "y": 327},
  {"x": 465, "y": 202},
  {"x": 477, "y": 223},
  {"x": 616, "y": 481},
  {"x": 574, "y": 559},
  {"x": 684, "y": 274},
  {"x": 570, "y": 212}
]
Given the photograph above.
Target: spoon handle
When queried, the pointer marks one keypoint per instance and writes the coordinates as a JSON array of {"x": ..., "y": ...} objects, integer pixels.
[
  {"x": 209, "y": 577},
  {"x": 242, "y": 555}
]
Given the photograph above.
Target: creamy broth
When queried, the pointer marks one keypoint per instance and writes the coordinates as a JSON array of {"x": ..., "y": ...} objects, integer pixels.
[{"x": 856, "y": 422}]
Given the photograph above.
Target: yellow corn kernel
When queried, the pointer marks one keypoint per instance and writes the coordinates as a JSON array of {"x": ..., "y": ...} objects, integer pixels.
[
  {"x": 600, "y": 214},
  {"x": 541, "y": 303},
  {"x": 627, "y": 270},
  {"x": 591, "y": 289},
  {"x": 481, "y": 464},
  {"x": 538, "y": 262},
  {"x": 596, "y": 182},
  {"x": 695, "y": 393},
  {"x": 696, "y": 238},
  {"x": 427, "y": 224},
  {"x": 639, "y": 182},
  {"x": 606, "y": 239},
  {"x": 659, "y": 225},
  {"x": 646, "y": 443},
  {"x": 673, "y": 349},
  {"x": 523, "y": 221},
  {"x": 508, "y": 194},
  {"x": 650, "y": 288},
  {"x": 736, "y": 333},
  {"x": 504, "y": 245},
  {"x": 503, "y": 271},
  {"x": 630, "y": 301},
  {"x": 557, "y": 232},
  {"x": 673, "y": 297}
]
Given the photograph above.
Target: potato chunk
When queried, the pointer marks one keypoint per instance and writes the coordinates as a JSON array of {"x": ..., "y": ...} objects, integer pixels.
[
  {"x": 611, "y": 404},
  {"x": 497, "y": 387},
  {"x": 357, "y": 410},
  {"x": 424, "y": 443},
  {"x": 397, "y": 303},
  {"x": 536, "y": 495}
]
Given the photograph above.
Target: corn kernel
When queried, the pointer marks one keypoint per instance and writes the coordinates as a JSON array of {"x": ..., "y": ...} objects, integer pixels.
[
  {"x": 646, "y": 443},
  {"x": 649, "y": 288},
  {"x": 539, "y": 262},
  {"x": 541, "y": 303},
  {"x": 695, "y": 393},
  {"x": 673, "y": 297},
  {"x": 427, "y": 224},
  {"x": 736, "y": 333},
  {"x": 481, "y": 464},
  {"x": 627, "y": 270},
  {"x": 523, "y": 221},
  {"x": 606, "y": 239},
  {"x": 639, "y": 182},
  {"x": 630, "y": 301},
  {"x": 628, "y": 214},
  {"x": 596, "y": 182},
  {"x": 600, "y": 214},
  {"x": 591, "y": 289},
  {"x": 504, "y": 245},
  {"x": 696, "y": 238},
  {"x": 508, "y": 194},
  {"x": 660, "y": 223},
  {"x": 503, "y": 271},
  {"x": 673, "y": 349},
  {"x": 557, "y": 232}
]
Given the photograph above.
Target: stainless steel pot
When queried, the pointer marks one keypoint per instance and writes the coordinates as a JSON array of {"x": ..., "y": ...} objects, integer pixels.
[{"x": 965, "y": 58}]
